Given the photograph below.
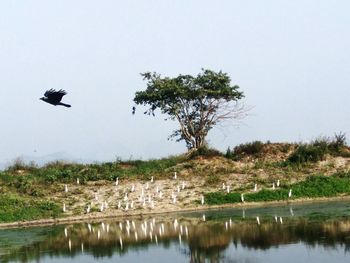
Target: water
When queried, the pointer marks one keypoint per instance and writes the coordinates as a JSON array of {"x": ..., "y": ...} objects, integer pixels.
[{"x": 317, "y": 232}]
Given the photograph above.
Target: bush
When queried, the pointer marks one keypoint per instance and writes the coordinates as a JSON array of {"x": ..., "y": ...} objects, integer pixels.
[
  {"x": 253, "y": 148},
  {"x": 317, "y": 149},
  {"x": 20, "y": 164},
  {"x": 308, "y": 153},
  {"x": 206, "y": 152}
]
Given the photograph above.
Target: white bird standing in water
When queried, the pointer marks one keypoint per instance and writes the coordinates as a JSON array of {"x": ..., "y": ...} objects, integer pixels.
[
  {"x": 242, "y": 198},
  {"x": 290, "y": 193},
  {"x": 203, "y": 217},
  {"x": 258, "y": 220}
]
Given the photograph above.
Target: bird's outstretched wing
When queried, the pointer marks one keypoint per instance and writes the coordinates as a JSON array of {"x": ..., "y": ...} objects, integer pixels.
[{"x": 55, "y": 96}]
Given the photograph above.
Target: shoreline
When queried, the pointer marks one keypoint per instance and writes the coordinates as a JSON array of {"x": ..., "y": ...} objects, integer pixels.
[{"x": 98, "y": 217}]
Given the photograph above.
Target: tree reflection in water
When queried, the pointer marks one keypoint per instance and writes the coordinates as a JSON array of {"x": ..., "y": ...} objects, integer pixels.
[{"x": 200, "y": 241}]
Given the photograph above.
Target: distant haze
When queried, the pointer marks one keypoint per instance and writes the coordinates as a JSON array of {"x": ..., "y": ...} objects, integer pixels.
[{"x": 291, "y": 59}]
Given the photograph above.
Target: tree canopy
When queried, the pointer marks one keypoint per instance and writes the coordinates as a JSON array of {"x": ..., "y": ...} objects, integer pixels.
[{"x": 197, "y": 102}]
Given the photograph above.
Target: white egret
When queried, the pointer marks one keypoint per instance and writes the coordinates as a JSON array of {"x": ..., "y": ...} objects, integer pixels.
[
  {"x": 258, "y": 220},
  {"x": 290, "y": 193},
  {"x": 64, "y": 208},
  {"x": 202, "y": 200}
]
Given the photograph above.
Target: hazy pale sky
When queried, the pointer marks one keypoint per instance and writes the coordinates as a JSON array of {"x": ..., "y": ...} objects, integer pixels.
[{"x": 291, "y": 59}]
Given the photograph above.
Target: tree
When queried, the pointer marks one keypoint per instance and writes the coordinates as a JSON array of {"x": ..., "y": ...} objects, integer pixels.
[{"x": 198, "y": 103}]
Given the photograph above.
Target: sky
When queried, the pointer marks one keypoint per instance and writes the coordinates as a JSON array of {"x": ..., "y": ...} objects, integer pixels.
[{"x": 290, "y": 58}]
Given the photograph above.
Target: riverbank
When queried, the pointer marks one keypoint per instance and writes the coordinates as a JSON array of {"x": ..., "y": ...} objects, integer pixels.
[
  {"x": 134, "y": 215},
  {"x": 63, "y": 192}
]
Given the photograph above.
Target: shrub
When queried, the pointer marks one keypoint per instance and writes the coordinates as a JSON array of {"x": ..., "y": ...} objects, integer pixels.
[
  {"x": 308, "y": 153},
  {"x": 253, "y": 148},
  {"x": 206, "y": 152}
]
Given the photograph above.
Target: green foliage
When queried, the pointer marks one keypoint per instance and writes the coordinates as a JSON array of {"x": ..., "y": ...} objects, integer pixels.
[
  {"x": 19, "y": 164},
  {"x": 229, "y": 153},
  {"x": 15, "y": 208},
  {"x": 308, "y": 153},
  {"x": 197, "y": 102},
  {"x": 312, "y": 187},
  {"x": 247, "y": 149},
  {"x": 319, "y": 148},
  {"x": 205, "y": 152},
  {"x": 222, "y": 198}
]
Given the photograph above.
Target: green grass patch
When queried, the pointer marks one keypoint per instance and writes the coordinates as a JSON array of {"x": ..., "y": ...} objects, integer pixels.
[
  {"x": 16, "y": 208},
  {"x": 314, "y": 186}
]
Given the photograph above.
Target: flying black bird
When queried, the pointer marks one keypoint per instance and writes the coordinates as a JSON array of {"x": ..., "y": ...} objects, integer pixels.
[{"x": 54, "y": 97}]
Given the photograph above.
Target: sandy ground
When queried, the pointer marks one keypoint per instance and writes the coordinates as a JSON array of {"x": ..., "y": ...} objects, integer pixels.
[{"x": 134, "y": 198}]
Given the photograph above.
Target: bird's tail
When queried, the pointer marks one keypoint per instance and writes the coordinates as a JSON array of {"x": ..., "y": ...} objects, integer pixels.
[{"x": 65, "y": 105}]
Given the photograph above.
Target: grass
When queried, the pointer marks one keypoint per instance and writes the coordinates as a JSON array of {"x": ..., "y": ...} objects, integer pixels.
[
  {"x": 312, "y": 187},
  {"x": 16, "y": 208},
  {"x": 23, "y": 176}
]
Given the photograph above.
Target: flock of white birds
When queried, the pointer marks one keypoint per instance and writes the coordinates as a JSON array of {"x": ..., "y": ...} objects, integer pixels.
[{"x": 147, "y": 195}]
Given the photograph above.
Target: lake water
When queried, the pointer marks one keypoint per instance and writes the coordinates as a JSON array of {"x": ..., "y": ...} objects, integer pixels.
[{"x": 318, "y": 232}]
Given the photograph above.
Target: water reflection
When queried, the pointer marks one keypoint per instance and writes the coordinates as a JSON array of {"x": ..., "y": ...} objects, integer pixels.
[{"x": 196, "y": 239}]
